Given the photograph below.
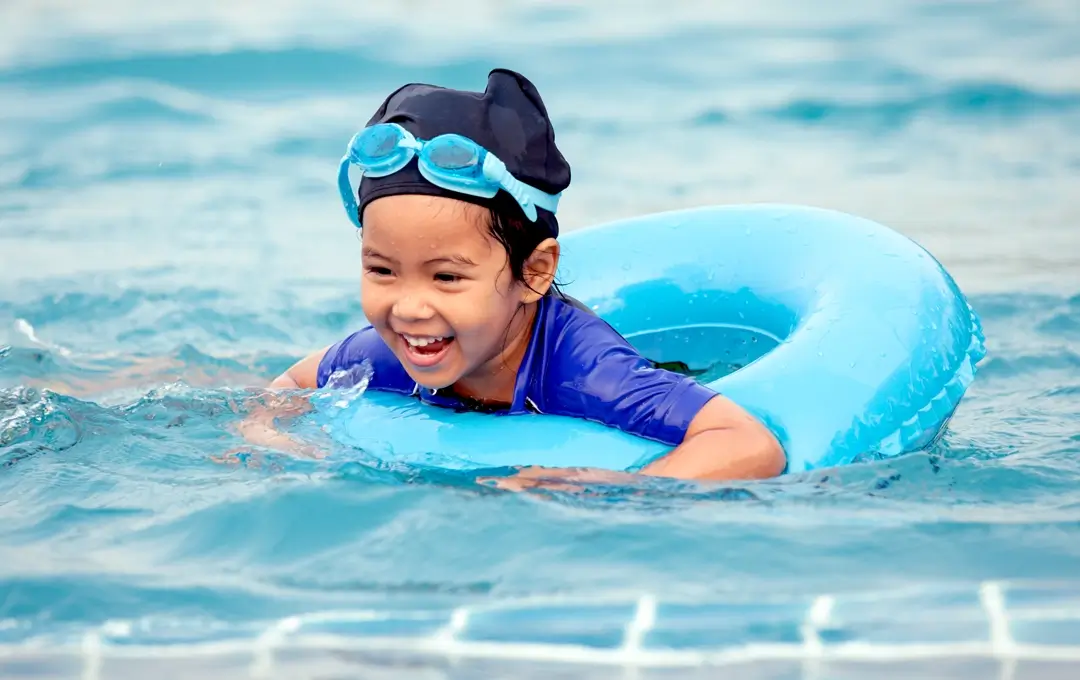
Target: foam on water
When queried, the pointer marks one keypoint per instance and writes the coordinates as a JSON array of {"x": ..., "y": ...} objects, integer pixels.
[{"x": 170, "y": 239}]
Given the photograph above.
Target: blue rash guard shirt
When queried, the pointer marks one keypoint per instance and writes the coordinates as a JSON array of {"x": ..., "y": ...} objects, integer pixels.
[{"x": 576, "y": 365}]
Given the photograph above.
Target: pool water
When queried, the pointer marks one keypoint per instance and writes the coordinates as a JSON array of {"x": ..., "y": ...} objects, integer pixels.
[
  {"x": 170, "y": 239},
  {"x": 707, "y": 352}
]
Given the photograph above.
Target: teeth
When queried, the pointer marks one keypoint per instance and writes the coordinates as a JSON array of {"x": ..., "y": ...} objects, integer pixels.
[{"x": 421, "y": 341}]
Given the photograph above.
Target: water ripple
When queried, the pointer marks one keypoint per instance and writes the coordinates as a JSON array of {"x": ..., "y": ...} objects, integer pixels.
[{"x": 171, "y": 240}]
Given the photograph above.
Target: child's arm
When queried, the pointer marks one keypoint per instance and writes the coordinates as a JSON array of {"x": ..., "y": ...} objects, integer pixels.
[
  {"x": 723, "y": 442},
  {"x": 595, "y": 374},
  {"x": 365, "y": 345},
  {"x": 259, "y": 428},
  {"x": 304, "y": 374}
]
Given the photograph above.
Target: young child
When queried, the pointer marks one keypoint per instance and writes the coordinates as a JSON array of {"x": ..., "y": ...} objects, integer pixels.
[{"x": 457, "y": 206}]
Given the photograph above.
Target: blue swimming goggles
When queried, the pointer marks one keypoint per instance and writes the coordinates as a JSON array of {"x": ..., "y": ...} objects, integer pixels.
[{"x": 449, "y": 161}]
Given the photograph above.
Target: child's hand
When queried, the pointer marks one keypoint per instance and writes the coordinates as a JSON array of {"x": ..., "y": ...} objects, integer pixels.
[
  {"x": 259, "y": 428},
  {"x": 258, "y": 432},
  {"x": 559, "y": 479}
]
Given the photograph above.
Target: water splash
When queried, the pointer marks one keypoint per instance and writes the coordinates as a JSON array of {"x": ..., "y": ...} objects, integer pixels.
[{"x": 192, "y": 250}]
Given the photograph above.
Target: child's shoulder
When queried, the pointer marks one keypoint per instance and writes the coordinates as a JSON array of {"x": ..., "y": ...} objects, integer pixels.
[
  {"x": 589, "y": 370},
  {"x": 575, "y": 315},
  {"x": 574, "y": 330}
]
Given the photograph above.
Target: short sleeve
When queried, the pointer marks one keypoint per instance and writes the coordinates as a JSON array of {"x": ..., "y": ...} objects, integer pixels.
[
  {"x": 346, "y": 361},
  {"x": 593, "y": 373}
]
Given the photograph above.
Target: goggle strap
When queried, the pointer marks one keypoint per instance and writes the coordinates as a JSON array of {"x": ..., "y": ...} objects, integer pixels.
[
  {"x": 528, "y": 197},
  {"x": 495, "y": 170},
  {"x": 345, "y": 188}
]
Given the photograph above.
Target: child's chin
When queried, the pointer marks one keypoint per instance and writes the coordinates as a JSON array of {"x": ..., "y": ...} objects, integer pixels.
[{"x": 433, "y": 381}]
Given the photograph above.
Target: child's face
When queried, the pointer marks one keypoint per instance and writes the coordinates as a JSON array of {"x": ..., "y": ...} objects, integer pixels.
[{"x": 437, "y": 288}]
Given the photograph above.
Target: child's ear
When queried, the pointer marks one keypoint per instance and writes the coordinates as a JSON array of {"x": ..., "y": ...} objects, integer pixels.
[{"x": 539, "y": 270}]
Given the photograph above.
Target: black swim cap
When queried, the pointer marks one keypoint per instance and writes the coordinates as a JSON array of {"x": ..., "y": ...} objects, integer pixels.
[{"x": 508, "y": 119}]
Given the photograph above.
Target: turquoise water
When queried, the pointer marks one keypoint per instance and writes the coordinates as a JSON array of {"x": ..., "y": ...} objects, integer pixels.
[{"x": 170, "y": 237}]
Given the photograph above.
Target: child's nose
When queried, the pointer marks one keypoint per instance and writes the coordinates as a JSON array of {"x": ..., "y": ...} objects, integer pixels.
[{"x": 412, "y": 307}]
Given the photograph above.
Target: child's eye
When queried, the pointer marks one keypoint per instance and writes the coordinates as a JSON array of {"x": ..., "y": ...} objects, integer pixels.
[
  {"x": 380, "y": 271},
  {"x": 446, "y": 277}
]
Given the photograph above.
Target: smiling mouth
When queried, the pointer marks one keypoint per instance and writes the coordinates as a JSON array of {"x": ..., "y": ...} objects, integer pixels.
[{"x": 425, "y": 351}]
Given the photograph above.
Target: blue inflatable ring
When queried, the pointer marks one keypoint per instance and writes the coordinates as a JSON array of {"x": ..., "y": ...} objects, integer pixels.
[{"x": 845, "y": 337}]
